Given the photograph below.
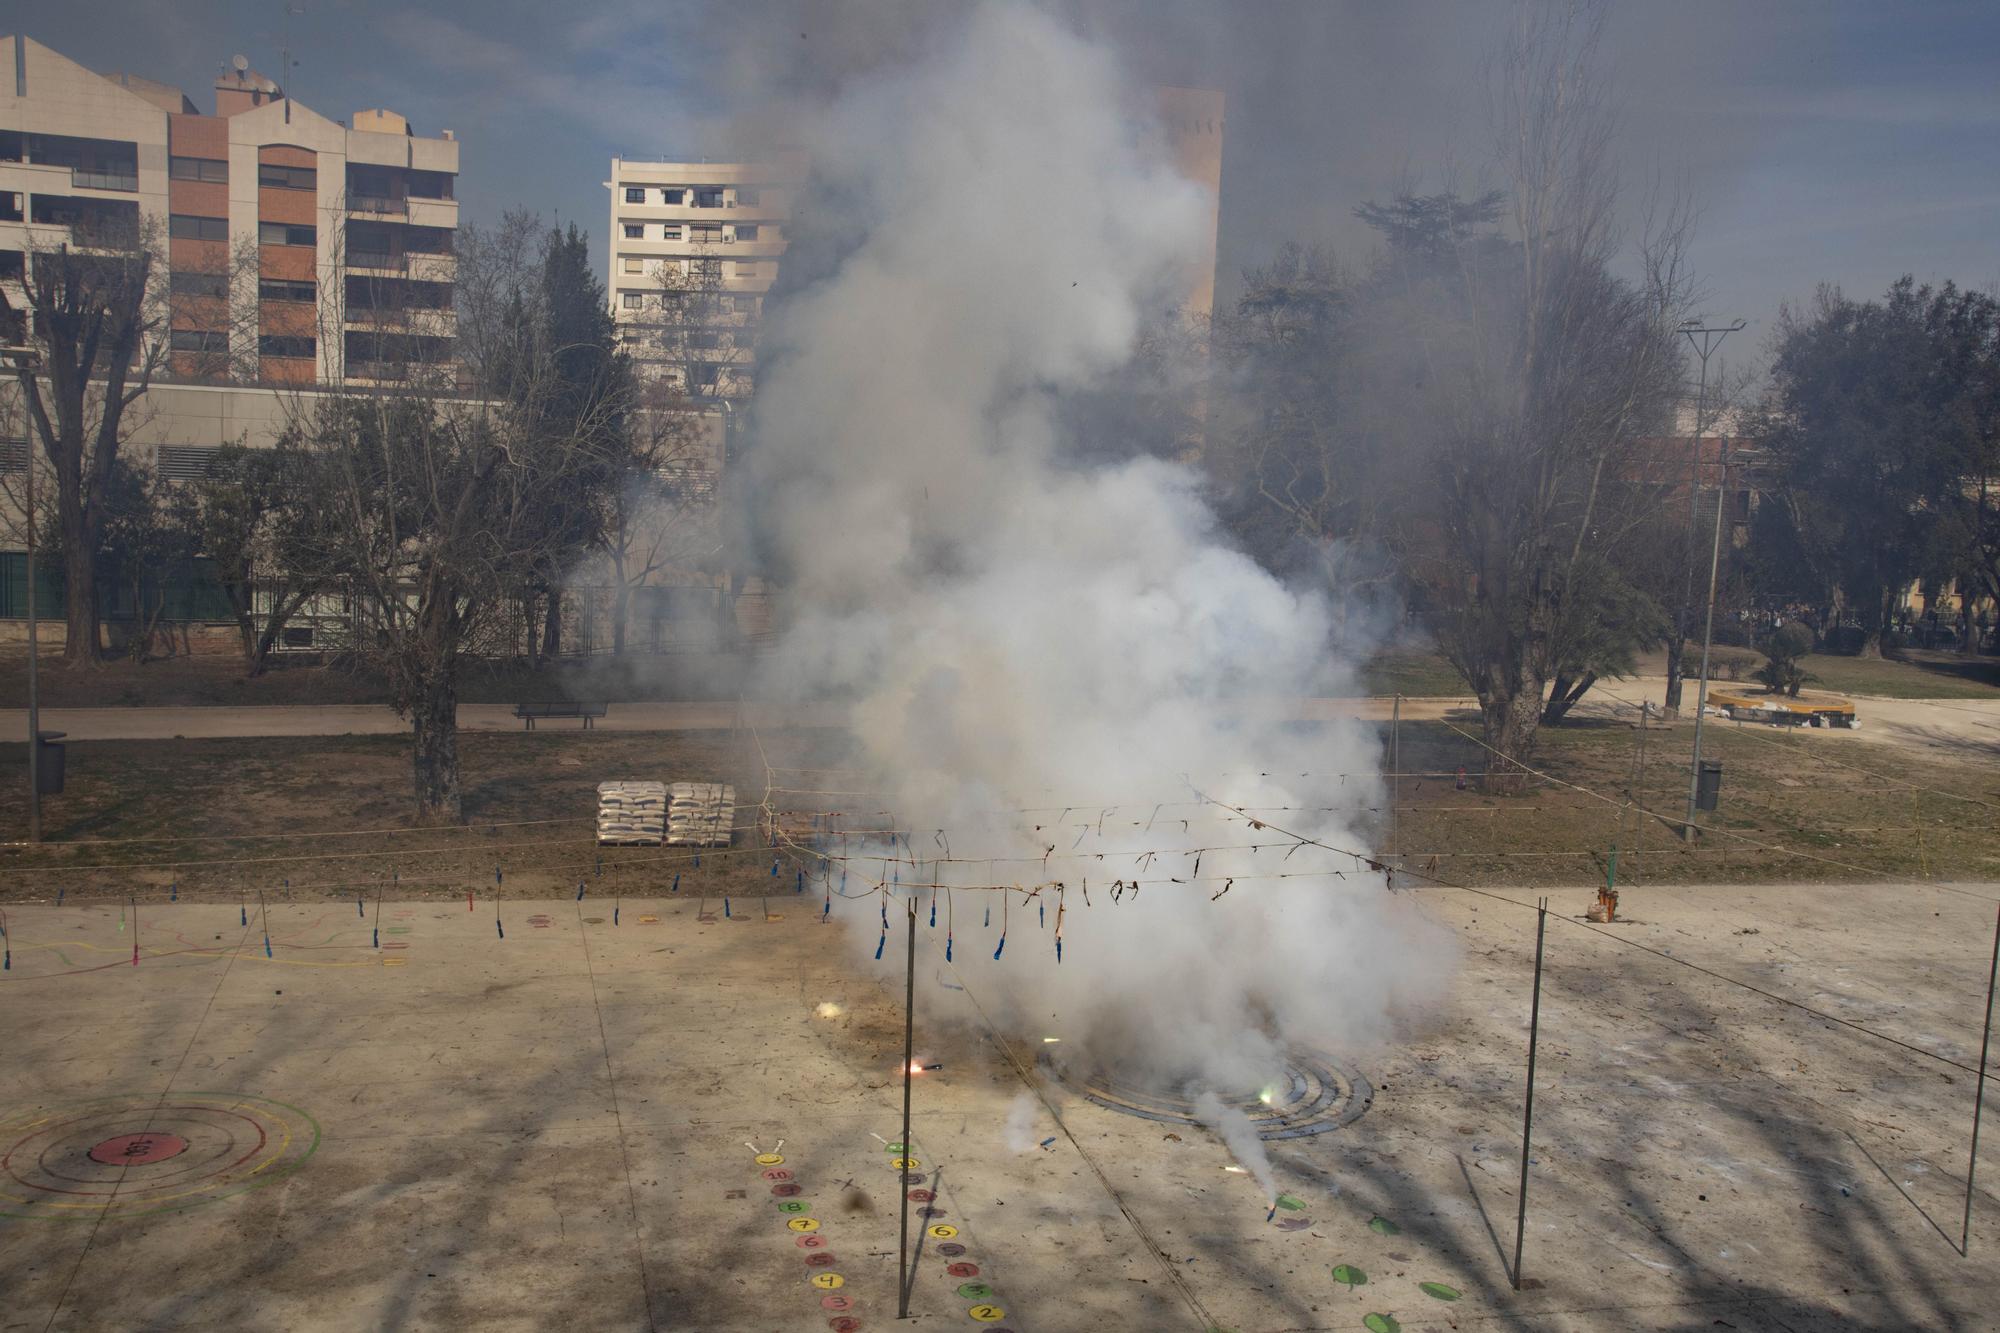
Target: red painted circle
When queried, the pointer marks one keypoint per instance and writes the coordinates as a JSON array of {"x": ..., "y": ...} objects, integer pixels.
[
  {"x": 819, "y": 1259},
  {"x": 951, "y": 1249},
  {"x": 138, "y": 1149},
  {"x": 836, "y": 1301},
  {"x": 843, "y": 1324},
  {"x": 786, "y": 1191},
  {"x": 921, "y": 1196},
  {"x": 962, "y": 1270},
  {"x": 49, "y": 1158},
  {"x": 813, "y": 1242},
  {"x": 777, "y": 1173}
]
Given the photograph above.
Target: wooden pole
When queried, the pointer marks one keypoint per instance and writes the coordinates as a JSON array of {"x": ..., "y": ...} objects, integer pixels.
[
  {"x": 1979, "y": 1093},
  {"x": 1528, "y": 1113},
  {"x": 909, "y": 1059}
]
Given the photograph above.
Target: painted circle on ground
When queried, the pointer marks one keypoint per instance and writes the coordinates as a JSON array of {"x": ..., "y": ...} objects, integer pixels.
[
  {"x": 987, "y": 1314},
  {"x": 905, "y": 1163},
  {"x": 131, "y": 1154},
  {"x": 827, "y": 1281},
  {"x": 138, "y": 1149},
  {"x": 792, "y": 1206},
  {"x": 974, "y": 1291},
  {"x": 929, "y": 1210},
  {"x": 777, "y": 1173},
  {"x": 894, "y": 1147},
  {"x": 811, "y": 1242},
  {"x": 804, "y": 1224},
  {"x": 836, "y": 1302},
  {"x": 921, "y": 1196},
  {"x": 540, "y": 922},
  {"x": 943, "y": 1231},
  {"x": 962, "y": 1270},
  {"x": 649, "y": 921},
  {"x": 913, "y": 1177},
  {"x": 769, "y": 1159},
  {"x": 786, "y": 1191},
  {"x": 820, "y": 1259},
  {"x": 395, "y": 944},
  {"x": 951, "y": 1251},
  {"x": 844, "y": 1324}
]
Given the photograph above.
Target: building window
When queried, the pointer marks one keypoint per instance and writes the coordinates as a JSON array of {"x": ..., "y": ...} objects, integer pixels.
[
  {"x": 635, "y": 266},
  {"x": 285, "y": 233},
  {"x": 197, "y": 169},
  {"x": 744, "y": 233},
  {"x": 632, "y": 300},
  {"x": 294, "y": 345},
  {"x": 187, "y": 283},
  {"x": 635, "y": 231},
  {"x": 743, "y": 305},
  {"x": 745, "y": 269},
  {"x": 184, "y": 462},
  {"x": 10, "y": 205},
  {"x": 275, "y": 289},
  {"x": 197, "y": 340},
  {"x": 705, "y": 342},
  {"x": 184, "y": 227},
  {"x": 13, "y": 454},
  {"x": 672, "y": 233},
  {"x": 705, "y": 233},
  {"x": 673, "y": 198},
  {"x": 635, "y": 194},
  {"x": 273, "y": 177},
  {"x": 708, "y": 197},
  {"x": 745, "y": 197},
  {"x": 13, "y": 265},
  {"x": 430, "y": 185}
]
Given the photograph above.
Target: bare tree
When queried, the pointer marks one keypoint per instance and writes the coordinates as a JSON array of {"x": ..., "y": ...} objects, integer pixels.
[
  {"x": 95, "y": 308},
  {"x": 434, "y": 504}
]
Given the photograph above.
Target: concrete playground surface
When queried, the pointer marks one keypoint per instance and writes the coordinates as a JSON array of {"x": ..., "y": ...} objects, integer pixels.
[{"x": 686, "y": 1119}]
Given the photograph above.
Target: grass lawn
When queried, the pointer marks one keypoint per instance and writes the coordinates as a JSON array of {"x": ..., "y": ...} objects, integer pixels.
[
  {"x": 328, "y": 817},
  {"x": 1414, "y": 672},
  {"x": 1917, "y": 674}
]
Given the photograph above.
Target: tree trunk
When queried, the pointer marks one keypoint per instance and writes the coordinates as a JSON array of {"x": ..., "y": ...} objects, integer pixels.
[
  {"x": 621, "y": 609},
  {"x": 434, "y": 720},
  {"x": 552, "y": 626},
  {"x": 1676, "y": 650},
  {"x": 1563, "y": 694},
  {"x": 1509, "y": 721},
  {"x": 80, "y": 619}
]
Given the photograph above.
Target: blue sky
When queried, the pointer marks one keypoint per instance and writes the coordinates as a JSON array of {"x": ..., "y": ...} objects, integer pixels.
[{"x": 1834, "y": 141}]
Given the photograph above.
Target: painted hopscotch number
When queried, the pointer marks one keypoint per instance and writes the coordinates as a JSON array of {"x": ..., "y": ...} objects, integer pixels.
[
  {"x": 827, "y": 1281},
  {"x": 905, "y": 1163},
  {"x": 811, "y": 1242},
  {"x": 777, "y": 1173},
  {"x": 974, "y": 1291},
  {"x": 792, "y": 1206},
  {"x": 804, "y": 1224},
  {"x": 769, "y": 1159},
  {"x": 943, "y": 1231},
  {"x": 987, "y": 1314}
]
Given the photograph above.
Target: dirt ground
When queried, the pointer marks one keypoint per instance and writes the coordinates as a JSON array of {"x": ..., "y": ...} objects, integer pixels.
[
  {"x": 325, "y": 818},
  {"x": 563, "y": 1126}
]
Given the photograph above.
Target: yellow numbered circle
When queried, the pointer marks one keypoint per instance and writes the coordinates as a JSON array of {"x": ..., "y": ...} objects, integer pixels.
[
  {"x": 944, "y": 1231},
  {"x": 987, "y": 1314},
  {"x": 827, "y": 1281},
  {"x": 905, "y": 1163},
  {"x": 769, "y": 1159},
  {"x": 804, "y": 1224}
]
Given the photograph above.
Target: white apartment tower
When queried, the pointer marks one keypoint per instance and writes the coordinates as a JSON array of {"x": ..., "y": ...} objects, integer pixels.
[{"x": 694, "y": 248}]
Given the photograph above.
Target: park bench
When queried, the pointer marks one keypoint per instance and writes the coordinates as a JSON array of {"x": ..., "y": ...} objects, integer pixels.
[{"x": 530, "y": 713}]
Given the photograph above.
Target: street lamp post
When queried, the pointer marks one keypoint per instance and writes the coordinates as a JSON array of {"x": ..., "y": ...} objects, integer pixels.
[
  {"x": 1705, "y": 341},
  {"x": 27, "y": 360}
]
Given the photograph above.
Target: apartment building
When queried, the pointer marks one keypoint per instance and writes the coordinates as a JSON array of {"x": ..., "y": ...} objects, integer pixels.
[
  {"x": 301, "y": 249},
  {"x": 694, "y": 248}
]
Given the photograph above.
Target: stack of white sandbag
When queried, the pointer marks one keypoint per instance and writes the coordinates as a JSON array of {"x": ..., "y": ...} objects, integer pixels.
[
  {"x": 701, "y": 814},
  {"x": 631, "y": 814}
]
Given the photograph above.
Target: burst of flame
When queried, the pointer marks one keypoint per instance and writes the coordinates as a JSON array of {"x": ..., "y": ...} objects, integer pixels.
[{"x": 828, "y": 1009}]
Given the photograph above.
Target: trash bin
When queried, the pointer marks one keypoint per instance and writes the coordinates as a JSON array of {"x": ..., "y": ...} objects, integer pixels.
[
  {"x": 50, "y": 762},
  {"x": 1708, "y": 784}
]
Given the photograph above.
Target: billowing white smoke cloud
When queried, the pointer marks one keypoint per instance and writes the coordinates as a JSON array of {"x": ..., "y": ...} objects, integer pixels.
[{"x": 1019, "y": 628}]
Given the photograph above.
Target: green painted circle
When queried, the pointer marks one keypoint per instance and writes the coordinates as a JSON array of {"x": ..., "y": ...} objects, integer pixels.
[
  {"x": 1350, "y": 1276},
  {"x": 975, "y": 1291},
  {"x": 1382, "y": 1226},
  {"x": 1438, "y": 1291},
  {"x": 792, "y": 1206},
  {"x": 1381, "y": 1323}
]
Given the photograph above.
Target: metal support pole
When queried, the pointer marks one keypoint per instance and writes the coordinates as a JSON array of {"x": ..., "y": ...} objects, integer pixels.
[
  {"x": 1707, "y": 636},
  {"x": 1979, "y": 1093},
  {"x": 1704, "y": 341},
  {"x": 1528, "y": 1113},
  {"x": 909, "y": 1059},
  {"x": 1395, "y": 777}
]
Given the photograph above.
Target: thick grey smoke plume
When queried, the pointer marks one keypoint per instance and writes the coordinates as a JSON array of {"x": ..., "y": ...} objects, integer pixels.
[{"x": 1047, "y": 657}]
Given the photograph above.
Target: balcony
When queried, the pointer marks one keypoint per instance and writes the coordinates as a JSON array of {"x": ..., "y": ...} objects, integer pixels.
[
  {"x": 82, "y": 179},
  {"x": 391, "y": 205},
  {"x": 379, "y": 261}
]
